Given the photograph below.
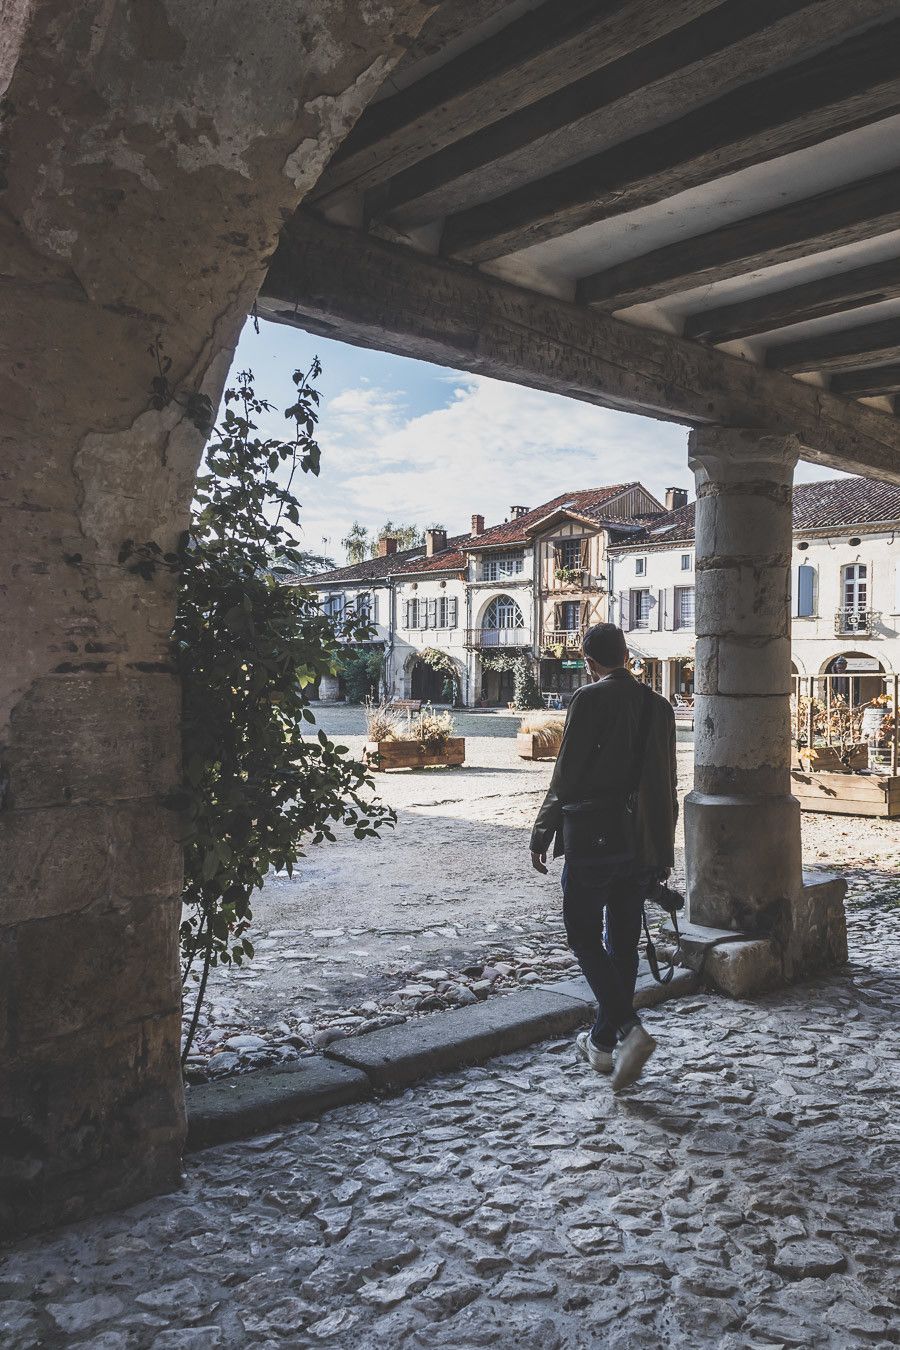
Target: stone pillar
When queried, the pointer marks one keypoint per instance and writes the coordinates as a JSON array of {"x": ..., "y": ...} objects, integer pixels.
[
  {"x": 742, "y": 825},
  {"x": 668, "y": 678},
  {"x": 329, "y": 689},
  {"x": 149, "y": 162}
]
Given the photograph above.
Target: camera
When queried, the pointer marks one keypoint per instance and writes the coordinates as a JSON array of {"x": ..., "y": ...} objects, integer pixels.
[{"x": 663, "y": 895}]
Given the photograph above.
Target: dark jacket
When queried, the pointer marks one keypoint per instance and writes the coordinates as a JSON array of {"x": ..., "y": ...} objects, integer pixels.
[{"x": 597, "y": 749}]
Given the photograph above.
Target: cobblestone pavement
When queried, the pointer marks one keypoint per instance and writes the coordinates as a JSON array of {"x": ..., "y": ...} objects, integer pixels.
[{"x": 743, "y": 1195}]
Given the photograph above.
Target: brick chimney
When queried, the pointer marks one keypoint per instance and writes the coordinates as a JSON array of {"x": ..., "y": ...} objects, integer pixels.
[
  {"x": 517, "y": 511},
  {"x": 386, "y": 547},
  {"x": 675, "y": 498},
  {"x": 478, "y": 524},
  {"x": 435, "y": 541}
]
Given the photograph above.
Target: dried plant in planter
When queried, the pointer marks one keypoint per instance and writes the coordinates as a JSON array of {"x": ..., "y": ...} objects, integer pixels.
[
  {"x": 429, "y": 727},
  {"x": 546, "y": 730},
  {"x": 381, "y": 723}
]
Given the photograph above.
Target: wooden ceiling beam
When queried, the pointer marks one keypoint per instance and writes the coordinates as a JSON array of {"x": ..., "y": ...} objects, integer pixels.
[
  {"x": 814, "y": 300},
  {"x": 732, "y": 44},
  {"x": 847, "y": 86},
  {"x": 355, "y": 288},
  {"x": 868, "y": 383},
  {"x": 870, "y": 344},
  {"x": 845, "y": 215},
  {"x": 530, "y": 58}
]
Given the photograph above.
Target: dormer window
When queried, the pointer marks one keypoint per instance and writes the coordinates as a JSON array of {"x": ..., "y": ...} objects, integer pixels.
[{"x": 501, "y": 566}]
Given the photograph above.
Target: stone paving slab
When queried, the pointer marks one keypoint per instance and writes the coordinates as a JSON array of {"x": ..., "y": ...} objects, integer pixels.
[
  {"x": 396, "y": 1056},
  {"x": 233, "y": 1108},
  {"x": 647, "y": 993}
]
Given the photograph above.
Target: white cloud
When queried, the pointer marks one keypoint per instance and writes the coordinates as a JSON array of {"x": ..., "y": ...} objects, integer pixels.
[{"x": 492, "y": 446}]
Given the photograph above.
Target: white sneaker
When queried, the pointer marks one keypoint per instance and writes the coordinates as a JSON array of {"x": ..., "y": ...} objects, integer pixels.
[
  {"x": 631, "y": 1055},
  {"x": 601, "y": 1060}
]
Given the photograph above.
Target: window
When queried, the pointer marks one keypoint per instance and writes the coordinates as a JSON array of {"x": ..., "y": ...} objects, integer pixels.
[
  {"x": 503, "y": 565},
  {"x": 568, "y": 616},
  {"x": 640, "y": 567},
  {"x": 333, "y": 604},
  {"x": 446, "y": 612},
  {"x": 855, "y": 587},
  {"x": 640, "y": 609},
  {"x": 568, "y": 553},
  {"x": 503, "y": 613},
  {"x": 685, "y": 562},
  {"x": 416, "y": 613},
  {"x": 365, "y": 607},
  {"x": 684, "y": 606}
]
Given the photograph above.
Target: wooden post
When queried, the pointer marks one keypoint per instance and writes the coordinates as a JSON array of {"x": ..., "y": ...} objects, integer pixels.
[{"x": 894, "y": 737}]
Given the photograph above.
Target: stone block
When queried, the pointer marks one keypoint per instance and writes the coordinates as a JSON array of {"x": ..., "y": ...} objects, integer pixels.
[
  {"x": 250, "y": 1103},
  {"x": 740, "y": 525},
  {"x": 742, "y": 969},
  {"x": 647, "y": 993},
  {"x": 59, "y": 860},
  {"x": 755, "y": 666},
  {"x": 742, "y": 599},
  {"x": 89, "y": 1123},
  {"x": 78, "y": 971},
  {"x": 742, "y": 733},
  {"x": 395, "y": 1056},
  {"x": 80, "y": 738},
  {"x": 814, "y": 934},
  {"x": 742, "y": 860}
]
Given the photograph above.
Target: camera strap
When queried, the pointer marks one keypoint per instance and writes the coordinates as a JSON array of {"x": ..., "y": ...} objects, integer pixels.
[{"x": 652, "y": 959}]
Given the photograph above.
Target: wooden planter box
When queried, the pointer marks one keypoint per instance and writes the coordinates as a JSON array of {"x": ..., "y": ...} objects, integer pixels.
[
  {"x": 827, "y": 759},
  {"x": 528, "y": 746},
  {"x": 382, "y": 755},
  {"x": 848, "y": 794}
]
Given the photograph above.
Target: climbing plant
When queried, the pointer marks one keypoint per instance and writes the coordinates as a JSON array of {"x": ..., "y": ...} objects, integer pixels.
[
  {"x": 444, "y": 663},
  {"x": 258, "y": 784},
  {"x": 526, "y": 693}
]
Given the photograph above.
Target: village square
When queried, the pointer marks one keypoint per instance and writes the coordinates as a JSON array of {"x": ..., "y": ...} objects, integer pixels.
[{"x": 450, "y": 723}]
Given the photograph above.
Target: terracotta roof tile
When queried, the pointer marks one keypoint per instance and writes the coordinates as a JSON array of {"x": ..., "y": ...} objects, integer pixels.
[{"x": 588, "y": 502}]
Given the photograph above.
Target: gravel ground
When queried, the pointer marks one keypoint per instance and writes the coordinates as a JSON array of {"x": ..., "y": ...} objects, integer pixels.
[
  {"x": 743, "y": 1195},
  {"x": 442, "y": 910}
]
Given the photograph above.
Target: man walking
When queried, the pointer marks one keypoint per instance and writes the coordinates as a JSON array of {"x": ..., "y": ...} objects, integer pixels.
[{"x": 611, "y": 808}]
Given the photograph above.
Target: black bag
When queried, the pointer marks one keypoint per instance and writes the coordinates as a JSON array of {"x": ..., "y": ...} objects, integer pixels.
[{"x": 604, "y": 827}]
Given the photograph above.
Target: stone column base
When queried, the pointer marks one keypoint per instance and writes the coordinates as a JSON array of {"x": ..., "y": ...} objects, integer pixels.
[
  {"x": 743, "y": 862},
  {"x": 811, "y": 937}
]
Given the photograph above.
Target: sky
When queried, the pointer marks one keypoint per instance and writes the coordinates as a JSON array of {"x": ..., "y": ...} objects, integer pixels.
[{"x": 420, "y": 444}]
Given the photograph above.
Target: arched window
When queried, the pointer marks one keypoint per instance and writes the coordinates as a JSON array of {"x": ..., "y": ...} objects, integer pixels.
[{"x": 503, "y": 612}]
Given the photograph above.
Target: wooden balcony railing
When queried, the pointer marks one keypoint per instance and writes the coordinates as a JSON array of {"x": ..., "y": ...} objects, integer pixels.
[{"x": 567, "y": 638}]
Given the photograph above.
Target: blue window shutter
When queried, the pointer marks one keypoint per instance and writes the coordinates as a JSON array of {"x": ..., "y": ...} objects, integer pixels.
[{"x": 806, "y": 591}]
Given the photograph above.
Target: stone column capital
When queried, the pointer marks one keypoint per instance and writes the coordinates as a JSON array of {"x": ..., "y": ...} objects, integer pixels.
[{"x": 737, "y": 454}]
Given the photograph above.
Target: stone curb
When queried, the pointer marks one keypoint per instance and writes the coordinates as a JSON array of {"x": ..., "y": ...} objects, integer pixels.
[
  {"x": 393, "y": 1057},
  {"x": 252, "y": 1102},
  {"x": 396, "y": 1056}
]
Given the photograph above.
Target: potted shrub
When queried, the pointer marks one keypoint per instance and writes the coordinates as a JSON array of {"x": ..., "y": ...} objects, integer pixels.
[
  {"x": 420, "y": 740},
  {"x": 540, "y": 735}
]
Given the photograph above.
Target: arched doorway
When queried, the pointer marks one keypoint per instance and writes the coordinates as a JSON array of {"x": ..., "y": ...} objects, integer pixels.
[
  {"x": 427, "y": 684},
  {"x": 858, "y": 677}
]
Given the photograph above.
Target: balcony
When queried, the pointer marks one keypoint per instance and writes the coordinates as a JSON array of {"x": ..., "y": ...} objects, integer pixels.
[
  {"x": 854, "y": 622},
  {"x": 569, "y": 639},
  {"x": 492, "y": 639}
]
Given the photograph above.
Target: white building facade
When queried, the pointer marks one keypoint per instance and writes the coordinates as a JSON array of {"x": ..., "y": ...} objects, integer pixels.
[{"x": 845, "y": 601}]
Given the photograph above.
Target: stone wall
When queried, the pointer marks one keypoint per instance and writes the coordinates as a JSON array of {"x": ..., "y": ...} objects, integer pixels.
[{"x": 150, "y": 154}]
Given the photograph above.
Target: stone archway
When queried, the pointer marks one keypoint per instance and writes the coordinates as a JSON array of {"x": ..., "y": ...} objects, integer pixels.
[{"x": 147, "y": 174}]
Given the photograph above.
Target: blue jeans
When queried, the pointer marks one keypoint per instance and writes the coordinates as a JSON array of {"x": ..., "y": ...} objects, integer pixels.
[{"x": 610, "y": 890}]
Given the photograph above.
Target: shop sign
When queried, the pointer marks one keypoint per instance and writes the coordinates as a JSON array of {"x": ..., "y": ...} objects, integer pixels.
[
  {"x": 862, "y": 663},
  {"x": 571, "y": 665}
]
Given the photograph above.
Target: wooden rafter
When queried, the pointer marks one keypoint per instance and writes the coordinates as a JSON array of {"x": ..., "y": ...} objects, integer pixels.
[
  {"x": 528, "y": 59},
  {"x": 731, "y": 44},
  {"x": 844, "y": 215},
  {"x": 870, "y": 344},
  {"x": 844, "y": 87},
  {"x": 350, "y": 286},
  {"x": 814, "y": 300},
  {"x": 868, "y": 383}
]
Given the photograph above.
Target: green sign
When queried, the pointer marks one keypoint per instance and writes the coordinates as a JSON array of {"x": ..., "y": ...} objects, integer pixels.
[{"x": 571, "y": 665}]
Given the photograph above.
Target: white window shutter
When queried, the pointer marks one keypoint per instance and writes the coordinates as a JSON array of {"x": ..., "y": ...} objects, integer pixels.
[
  {"x": 625, "y": 610},
  {"x": 795, "y": 591},
  {"x": 656, "y": 609},
  {"x": 897, "y": 588},
  {"x": 669, "y": 614}
]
